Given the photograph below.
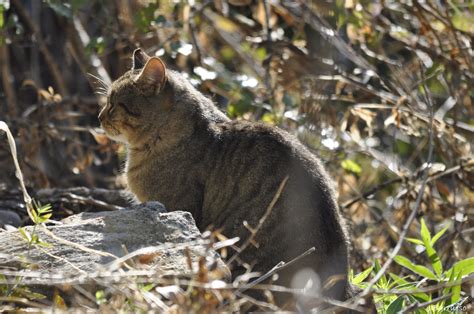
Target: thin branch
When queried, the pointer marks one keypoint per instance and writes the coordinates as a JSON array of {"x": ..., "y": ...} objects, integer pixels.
[
  {"x": 414, "y": 306},
  {"x": 274, "y": 270},
  {"x": 24, "y": 301},
  {"x": 428, "y": 289},
  {"x": 254, "y": 231},
  {"x": 370, "y": 192},
  {"x": 432, "y": 177}
]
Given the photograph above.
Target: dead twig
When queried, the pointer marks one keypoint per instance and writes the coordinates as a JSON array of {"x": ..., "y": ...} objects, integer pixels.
[
  {"x": 11, "y": 141},
  {"x": 254, "y": 231},
  {"x": 274, "y": 270},
  {"x": 414, "y": 306},
  {"x": 22, "y": 301},
  {"x": 428, "y": 289},
  {"x": 432, "y": 177}
]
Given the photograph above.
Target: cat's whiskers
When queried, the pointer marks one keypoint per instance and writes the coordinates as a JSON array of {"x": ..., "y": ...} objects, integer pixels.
[
  {"x": 101, "y": 91},
  {"x": 99, "y": 80},
  {"x": 102, "y": 87}
]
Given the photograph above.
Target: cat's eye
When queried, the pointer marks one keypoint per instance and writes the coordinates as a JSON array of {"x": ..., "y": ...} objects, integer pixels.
[{"x": 128, "y": 111}]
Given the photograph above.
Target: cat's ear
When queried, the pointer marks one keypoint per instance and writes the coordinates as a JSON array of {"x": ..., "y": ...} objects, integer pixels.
[
  {"x": 153, "y": 73},
  {"x": 139, "y": 59}
]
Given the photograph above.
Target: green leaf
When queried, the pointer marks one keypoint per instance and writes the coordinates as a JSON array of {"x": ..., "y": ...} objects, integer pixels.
[
  {"x": 59, "y": 302},
  {"x": 2, "y": 18},
  {"x": 26, "y": 292},
  {"x": 425, "y": 233},
  {"x": 430, "y": 251},
  {"x": 451, "y": 277},
  {"x": 44, "y": 244},
  {"x": 435, "y": 261},
  {"x": 34, "y": 215},
  {"x": 44, "y": 218},
  {"x": 403, "y": 284},
  {"x": 438, "y": 235},
  {"x": 148, "y": 287},
  {"x": 415, "y": 241},
  {"x": 25, "y": 234},
  {"x": 100, "y": 297},
  {"x": 34, "y": 238},
  {"x": 464, "y": 22},
  {"x": 463, "y": 267},
  {"x": 351, "y": 166},
  {"x": 361, "y": 276},
  {"x": 418, "y": 269},
  {"x": 396, "y": 305},
  {"x": 261, "y": 54},
  {"x": 398, "y": 280},
  {"x": 383, "y": 280},
  {"x": 456, "y": 291},
  {"x": 44, "y": 209}
]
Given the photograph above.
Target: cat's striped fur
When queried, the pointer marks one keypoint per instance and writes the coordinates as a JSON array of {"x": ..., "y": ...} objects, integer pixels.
[{"x": 185, "y": 153}]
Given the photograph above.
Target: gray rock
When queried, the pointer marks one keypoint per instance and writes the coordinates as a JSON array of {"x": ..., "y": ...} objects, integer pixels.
[
  {"x": 9, "y": 218},
  {"x": 147, "y": 228}
]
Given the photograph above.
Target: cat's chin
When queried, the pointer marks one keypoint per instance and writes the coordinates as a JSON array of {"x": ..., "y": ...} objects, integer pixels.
[{"x": 118, "y": 138}]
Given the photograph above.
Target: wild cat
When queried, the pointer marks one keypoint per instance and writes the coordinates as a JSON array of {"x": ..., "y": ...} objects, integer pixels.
[{"x": 184, "y": 152}]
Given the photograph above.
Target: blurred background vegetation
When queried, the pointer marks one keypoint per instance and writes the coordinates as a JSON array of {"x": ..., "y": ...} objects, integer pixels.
[{"x": 381, "y": 90}]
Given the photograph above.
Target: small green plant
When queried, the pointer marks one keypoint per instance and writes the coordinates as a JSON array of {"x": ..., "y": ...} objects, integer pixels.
[
  {"x": 395, "y": 293},
  {"x": 39, "y": 214},
  {"x": 100, "y": 297},
  {"x": 17, "y": 290}
]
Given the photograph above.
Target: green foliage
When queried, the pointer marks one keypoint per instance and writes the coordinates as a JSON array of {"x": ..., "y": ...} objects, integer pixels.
[
  {"x": 463, "y": 20},
  {"x": 145, "y": 17},
  {"x": 388, "y": 301},
  {"x": 17, "y": 290},
  {"x": 100, "y": 297},
  {"x": 96, "y": 44},
  {"x": 351, "y": 166},
  {"x": 2, "y": 18},
  {"x": 40, "y": 214}
]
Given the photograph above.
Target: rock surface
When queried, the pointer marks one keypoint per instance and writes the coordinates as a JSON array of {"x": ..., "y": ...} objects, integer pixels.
[{"x": 116, "y": 233}]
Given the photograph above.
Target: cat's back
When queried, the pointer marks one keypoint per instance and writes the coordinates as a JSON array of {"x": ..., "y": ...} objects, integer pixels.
[
  {"x": 270, "y": 145},
  {"x": 250, "y": 161}
]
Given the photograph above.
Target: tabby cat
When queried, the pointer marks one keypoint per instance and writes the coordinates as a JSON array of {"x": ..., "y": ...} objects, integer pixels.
[{"x": 185, "y": 153}]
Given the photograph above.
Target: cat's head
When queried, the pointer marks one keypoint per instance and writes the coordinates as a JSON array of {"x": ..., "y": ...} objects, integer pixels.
[{"x": 134, "y": 100}]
